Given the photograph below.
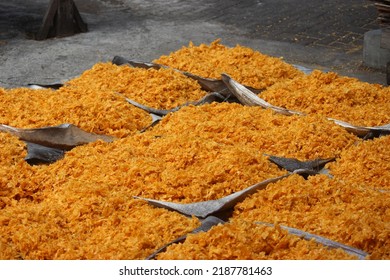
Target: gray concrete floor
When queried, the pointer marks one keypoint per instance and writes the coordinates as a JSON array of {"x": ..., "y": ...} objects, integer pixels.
[{"x": 326, "y": 35}]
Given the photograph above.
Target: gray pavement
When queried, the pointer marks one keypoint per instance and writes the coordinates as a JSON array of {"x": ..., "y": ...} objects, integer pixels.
[{"x": 326, "y": 35}]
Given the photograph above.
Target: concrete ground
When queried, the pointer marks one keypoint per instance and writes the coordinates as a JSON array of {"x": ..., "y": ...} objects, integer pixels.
[{"x": 322, "y": 34}]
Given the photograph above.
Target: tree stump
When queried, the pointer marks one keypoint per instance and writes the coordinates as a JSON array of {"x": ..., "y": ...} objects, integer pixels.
[{"x": 61, "y": 19}]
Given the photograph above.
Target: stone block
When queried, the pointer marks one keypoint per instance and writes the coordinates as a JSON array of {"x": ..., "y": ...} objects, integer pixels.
[{"x": 374, "y": 55}]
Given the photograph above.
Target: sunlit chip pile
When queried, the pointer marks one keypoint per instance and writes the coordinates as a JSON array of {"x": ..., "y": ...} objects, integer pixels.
[
  {"x": 249, "y": 67},
  {"x": 333, "y": 96},
  {"x": 88, "y": 204}
]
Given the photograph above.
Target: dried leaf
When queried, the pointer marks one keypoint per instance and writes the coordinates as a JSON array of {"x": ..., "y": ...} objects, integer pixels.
[
  {"x": 366, "y": 132},
  {"x": 211, "y": 207},
  {"x": 64, "y": 136},
  {"x": 208, "y": 98},
  {"x": 41, "y": 86},
  {"x": 322, "y": 240},
  {"x": 37, "y": 154},
  {"x": 305, "y": 168},
  {"x": 249, "y": 98}
]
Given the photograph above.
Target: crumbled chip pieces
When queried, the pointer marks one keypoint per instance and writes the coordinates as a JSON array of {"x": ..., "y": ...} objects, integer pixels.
[
  {"x": 159, "y": 89},
  {"x": 367, "y": 163},
  {"x": 12, "y": 150},
  {"x": 14, "y": 171},
  {"x": 247, "y": 66},
  {"x": 334, "y": 96},
  {"x": 241, "y": 240},
  {"x": 347, "y": 213},
  {"x": 94, "y": 223},
  {"x": 300, "y": 137},
  {"x": 100, "y": 112},
  {"x": 173, "y": 168}
]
